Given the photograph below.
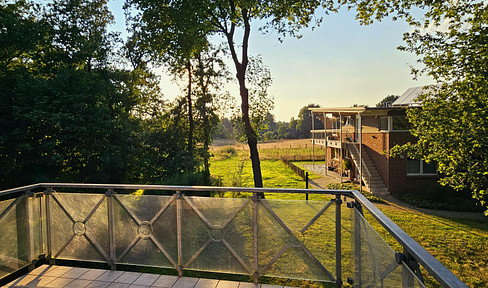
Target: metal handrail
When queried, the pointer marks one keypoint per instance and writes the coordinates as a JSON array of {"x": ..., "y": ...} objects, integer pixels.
[
  {"x": 175, "y": 188},
  {"x": 445, "y": 277},
  {"x": 364, "y": 166}
]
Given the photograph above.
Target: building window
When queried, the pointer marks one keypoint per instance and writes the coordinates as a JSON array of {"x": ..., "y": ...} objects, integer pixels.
[
  {"x": 420, "y": 167},
  {"x": 394, "y": 123},
  {"x": 345, "y": 154},
  {"x": 400, "y": 123},
  {"x": 335, "y": 153},
  {"x": 384, "y": 121}
]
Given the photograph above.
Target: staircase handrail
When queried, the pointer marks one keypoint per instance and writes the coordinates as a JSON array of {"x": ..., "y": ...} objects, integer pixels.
[{"x": 364, "y": 166}]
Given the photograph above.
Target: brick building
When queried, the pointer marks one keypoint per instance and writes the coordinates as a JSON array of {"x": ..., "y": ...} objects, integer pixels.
[{"x": 359, "y": 139}]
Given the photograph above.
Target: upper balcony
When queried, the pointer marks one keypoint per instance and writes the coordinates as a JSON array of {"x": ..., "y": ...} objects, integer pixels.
[{"x": 325, "y": 240}]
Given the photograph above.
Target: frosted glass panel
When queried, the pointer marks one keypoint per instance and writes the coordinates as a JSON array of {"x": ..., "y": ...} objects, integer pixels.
[
  {"x": 13, "y": 249},
  {"x": 376, "y": 265},
  {"x": 145, "y": 230},
  {"x": 217, "y": 234},
  {"x": 296, "y": 239},
  {"x": 79, "y": 226},
  {"x": 36, "y": 226}
]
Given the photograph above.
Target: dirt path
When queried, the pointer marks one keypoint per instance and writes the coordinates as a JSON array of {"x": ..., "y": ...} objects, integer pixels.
[{"x": 322, "y": 182}]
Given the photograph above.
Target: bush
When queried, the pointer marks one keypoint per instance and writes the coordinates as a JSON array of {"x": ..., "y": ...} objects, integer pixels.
[
  {"x": 442, "y": 198},
  {"x": 190, "y": 179},
  {"x": 227, "y": 152}
]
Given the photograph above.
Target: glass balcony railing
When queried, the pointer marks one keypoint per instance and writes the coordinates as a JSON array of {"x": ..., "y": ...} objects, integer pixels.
[{"x": 325, "y": 241}]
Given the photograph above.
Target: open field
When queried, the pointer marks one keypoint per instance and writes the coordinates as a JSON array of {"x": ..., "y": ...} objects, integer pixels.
[
  {"x": 270, "y": 150},
  {"x": 460, "y": 244}
]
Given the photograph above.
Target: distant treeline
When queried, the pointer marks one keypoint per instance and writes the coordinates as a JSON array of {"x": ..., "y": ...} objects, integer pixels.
[{"x": 295, "y": 129}]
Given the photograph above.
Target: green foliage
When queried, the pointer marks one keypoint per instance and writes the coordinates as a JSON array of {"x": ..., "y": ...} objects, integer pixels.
[
  {"x": 260, "y": 104},
  {"x": 442, "y": 198},
  {"x": 180, "y": 26},
  {"x": 227, "y": 152},
  {"x": 304, "y": 124},
  {"x": 67, "y": 113}
]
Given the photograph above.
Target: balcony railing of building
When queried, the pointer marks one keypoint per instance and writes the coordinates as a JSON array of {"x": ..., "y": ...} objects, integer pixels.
[{"x": 321, "y": 240}]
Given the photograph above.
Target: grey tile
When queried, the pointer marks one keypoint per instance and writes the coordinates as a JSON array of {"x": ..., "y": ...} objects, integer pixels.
[
  {"x": 110, "y": 275},
  {"x": 146, "y": 279},
  {"x": 249, "y": 285},
  {"x": 139, "y": 286},
  {"x": 36, "y": 281},
  {"x": 59, "y": 282},
  {"x": 165, "y": 281},
  {"x": 79, "y": 283},
  {"x": 92, "y": 274},
  {"x": 59, "y": 271},
  {"x": 118, "y": 285},
  {"x": 21, "y": 281},
  {"x": 185, "y": 282},
  {"x": 41, "y": 270},
  {"x": 75, "y": 272},
  {"x": 270, "y": 286},
  {"x": 98, "y": 284},
  {"x": 228, "y": 284},
  {"x": 128, "y": 277},
  {"x": 206, "y": 283}
]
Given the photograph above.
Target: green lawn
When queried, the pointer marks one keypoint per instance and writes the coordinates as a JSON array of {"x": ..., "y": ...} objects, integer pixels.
[{"x": 461, "y": 245}]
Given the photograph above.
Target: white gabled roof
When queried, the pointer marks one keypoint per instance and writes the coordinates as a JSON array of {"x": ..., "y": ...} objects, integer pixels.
[{"x": 408, "y": 97}]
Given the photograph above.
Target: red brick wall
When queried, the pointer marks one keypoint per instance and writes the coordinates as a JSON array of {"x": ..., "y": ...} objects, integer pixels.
[
  {"x": 399, "y": 182},
  {"x": 393, "y": 170}
]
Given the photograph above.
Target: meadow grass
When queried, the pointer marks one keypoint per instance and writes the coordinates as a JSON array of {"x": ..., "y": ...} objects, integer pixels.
[{"x": 459, "y": 244}]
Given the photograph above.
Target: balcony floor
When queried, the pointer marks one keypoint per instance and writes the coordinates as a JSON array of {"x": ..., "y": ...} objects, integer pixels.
[{"x": 64, "y": 276}]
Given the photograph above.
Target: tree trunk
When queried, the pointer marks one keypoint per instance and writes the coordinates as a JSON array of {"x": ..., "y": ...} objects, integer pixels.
[
  {"x": 190, "y": 114},
  {"x": 241, "y": 68},
  {"x": 251, "y": 136},
  {"x": 206, "y": 123}
]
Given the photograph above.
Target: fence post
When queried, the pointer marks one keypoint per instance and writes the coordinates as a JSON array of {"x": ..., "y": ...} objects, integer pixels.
[{"x": 306, "y": 184}]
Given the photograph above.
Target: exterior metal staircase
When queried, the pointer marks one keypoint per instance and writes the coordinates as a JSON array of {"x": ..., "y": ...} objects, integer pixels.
[{"x": 370, "y": 176}]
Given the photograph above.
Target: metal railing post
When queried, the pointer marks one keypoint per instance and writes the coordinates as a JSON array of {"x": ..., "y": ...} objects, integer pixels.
[
  {"x": 255, "y": 237},
  {"x": 25, "y": 243},
  {"x": 179, "y": 268},
  {"x": 338, "y": 202},
  {"x": 111, "y": 238},
  {"x": 47, "y": 194},
  {"x": 357, "y": 242}
]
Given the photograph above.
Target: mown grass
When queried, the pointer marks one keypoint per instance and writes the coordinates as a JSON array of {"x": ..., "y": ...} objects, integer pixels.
[{"x": 460, "y": 244}]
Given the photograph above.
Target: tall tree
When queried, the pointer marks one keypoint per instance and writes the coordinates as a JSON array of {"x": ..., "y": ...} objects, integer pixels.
[
  {"x": 174, "y": 38},
  {"x": 452, "y": 123},
  {"x": 304, "y": 121},
  {"x": 210, "y": 73},
  {"x": 66, "y": 112},
  {"x": 224, "y": 17},
  {"x": 387, "y": 101}
]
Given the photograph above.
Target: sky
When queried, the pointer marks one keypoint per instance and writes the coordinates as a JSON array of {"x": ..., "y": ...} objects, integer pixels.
[{"x": 338, "y": 64}]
